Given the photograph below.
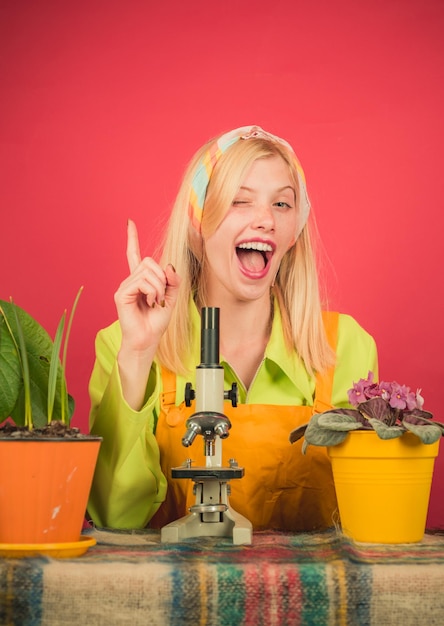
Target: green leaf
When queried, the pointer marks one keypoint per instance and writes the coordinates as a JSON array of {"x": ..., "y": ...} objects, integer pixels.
[
  {"x": 10, "y": 372},
  {"x": 65, "y": 408},
  {"x": 23, "y": 355},
  {"x": 52, "y": 375},
  {"x": 384, "y": 431},
  {"x": 39, "y": 347},
  {"x": 428, "y": 433}
]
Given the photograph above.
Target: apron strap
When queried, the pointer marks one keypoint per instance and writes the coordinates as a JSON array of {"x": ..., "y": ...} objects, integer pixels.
[
  {"x": 324, "y": 382},
  {"x": 168, "y": 395}
]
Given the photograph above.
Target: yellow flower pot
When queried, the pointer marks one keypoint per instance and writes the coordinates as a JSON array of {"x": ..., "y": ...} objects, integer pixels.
[{"x": 383, "y": 486}]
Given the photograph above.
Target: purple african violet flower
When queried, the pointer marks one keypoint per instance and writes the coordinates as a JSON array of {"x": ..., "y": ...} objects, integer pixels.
[
  {"x": 390, "y": 409},
  {"x": 362, "y": 390},
  {"x": 398, "y": 397},
  {"x": 411, "y": 400},
  {"x": 373, "y": 391},
  {"x": 385, "y": 390}
]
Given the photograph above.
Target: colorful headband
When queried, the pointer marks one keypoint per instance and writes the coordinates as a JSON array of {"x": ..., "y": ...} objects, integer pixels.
[{"x": 211, "y": 156}]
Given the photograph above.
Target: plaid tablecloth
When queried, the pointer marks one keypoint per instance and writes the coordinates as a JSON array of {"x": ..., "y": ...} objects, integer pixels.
[{"x": 281, "y": 579}]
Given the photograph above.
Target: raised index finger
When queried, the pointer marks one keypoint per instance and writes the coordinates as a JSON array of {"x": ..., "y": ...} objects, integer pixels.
[{"x": 132, "y": 247}]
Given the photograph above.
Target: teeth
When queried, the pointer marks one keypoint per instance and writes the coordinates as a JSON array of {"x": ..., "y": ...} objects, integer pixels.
[{"x": 256, "y": 245}]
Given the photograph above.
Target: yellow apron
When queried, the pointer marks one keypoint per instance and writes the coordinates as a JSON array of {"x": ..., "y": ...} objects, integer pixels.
[{"x": 282, "y": 488}]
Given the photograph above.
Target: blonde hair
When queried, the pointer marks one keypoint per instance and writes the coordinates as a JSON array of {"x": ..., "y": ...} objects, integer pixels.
[{"x": 296, "y": 284}]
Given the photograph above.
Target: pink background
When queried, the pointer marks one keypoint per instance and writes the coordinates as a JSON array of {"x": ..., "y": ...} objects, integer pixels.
[{"x": 103, "y": 103}]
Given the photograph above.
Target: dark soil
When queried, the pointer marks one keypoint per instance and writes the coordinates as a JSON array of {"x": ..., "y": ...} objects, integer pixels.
[{"x": 54, "y": 430}]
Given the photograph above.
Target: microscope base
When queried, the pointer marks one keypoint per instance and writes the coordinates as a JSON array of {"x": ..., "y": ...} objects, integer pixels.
[{"x": 211, "y": 516}]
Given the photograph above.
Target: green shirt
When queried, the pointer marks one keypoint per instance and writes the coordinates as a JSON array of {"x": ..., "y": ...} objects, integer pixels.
[{"x": 128, "y": 485}]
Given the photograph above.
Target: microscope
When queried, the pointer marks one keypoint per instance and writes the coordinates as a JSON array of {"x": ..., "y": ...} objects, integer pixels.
[{"x": 211, "y": 515}]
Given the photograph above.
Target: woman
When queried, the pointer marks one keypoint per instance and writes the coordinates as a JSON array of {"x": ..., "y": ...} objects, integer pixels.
[{"x": 238, "y": 239}]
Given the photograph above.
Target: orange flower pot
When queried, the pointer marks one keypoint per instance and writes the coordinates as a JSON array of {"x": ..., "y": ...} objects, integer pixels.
[
  {"x": 44, "y": 489},
  {"x": 383, "y": 486}
]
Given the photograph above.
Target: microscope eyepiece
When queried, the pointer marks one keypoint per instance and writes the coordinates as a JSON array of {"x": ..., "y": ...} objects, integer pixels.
[{"x": 209, "y": 345}]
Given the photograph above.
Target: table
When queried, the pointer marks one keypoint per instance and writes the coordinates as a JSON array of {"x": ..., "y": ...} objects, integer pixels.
[{"x": 283, "y": 579}]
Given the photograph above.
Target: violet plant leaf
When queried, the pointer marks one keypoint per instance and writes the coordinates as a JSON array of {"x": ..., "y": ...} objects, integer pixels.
[
  {"x": 323, "y": 437},
  {"x": 422, "y": 424},
  {"x": 297, "y": 433},
  {"x": 384, "y": 431},
  {"x": 418, "y": 416},
  {"x": 428, "y": 433},
  {"x": 338, "y": 421},
  {"x": 319, "y": 436},
  {"x": 376, "y": 408}
]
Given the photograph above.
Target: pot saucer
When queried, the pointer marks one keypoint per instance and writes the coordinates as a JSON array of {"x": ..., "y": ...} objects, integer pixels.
[{"x": 54, "y": 550}]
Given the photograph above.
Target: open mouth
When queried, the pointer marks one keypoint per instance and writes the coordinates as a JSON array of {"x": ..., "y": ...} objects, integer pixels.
[{"x": 254, "y": 256}]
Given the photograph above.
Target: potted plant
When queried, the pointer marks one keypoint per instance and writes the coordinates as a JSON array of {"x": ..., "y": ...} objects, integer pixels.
[
  {"x": 382, "y": 453},
  {"x": 46, "y": 466}
]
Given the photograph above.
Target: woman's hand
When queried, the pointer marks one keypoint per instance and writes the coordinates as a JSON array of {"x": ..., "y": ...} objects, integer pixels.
[
  {"x": 145, "y": 301},
  {"x": 146, "y": 298}
]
